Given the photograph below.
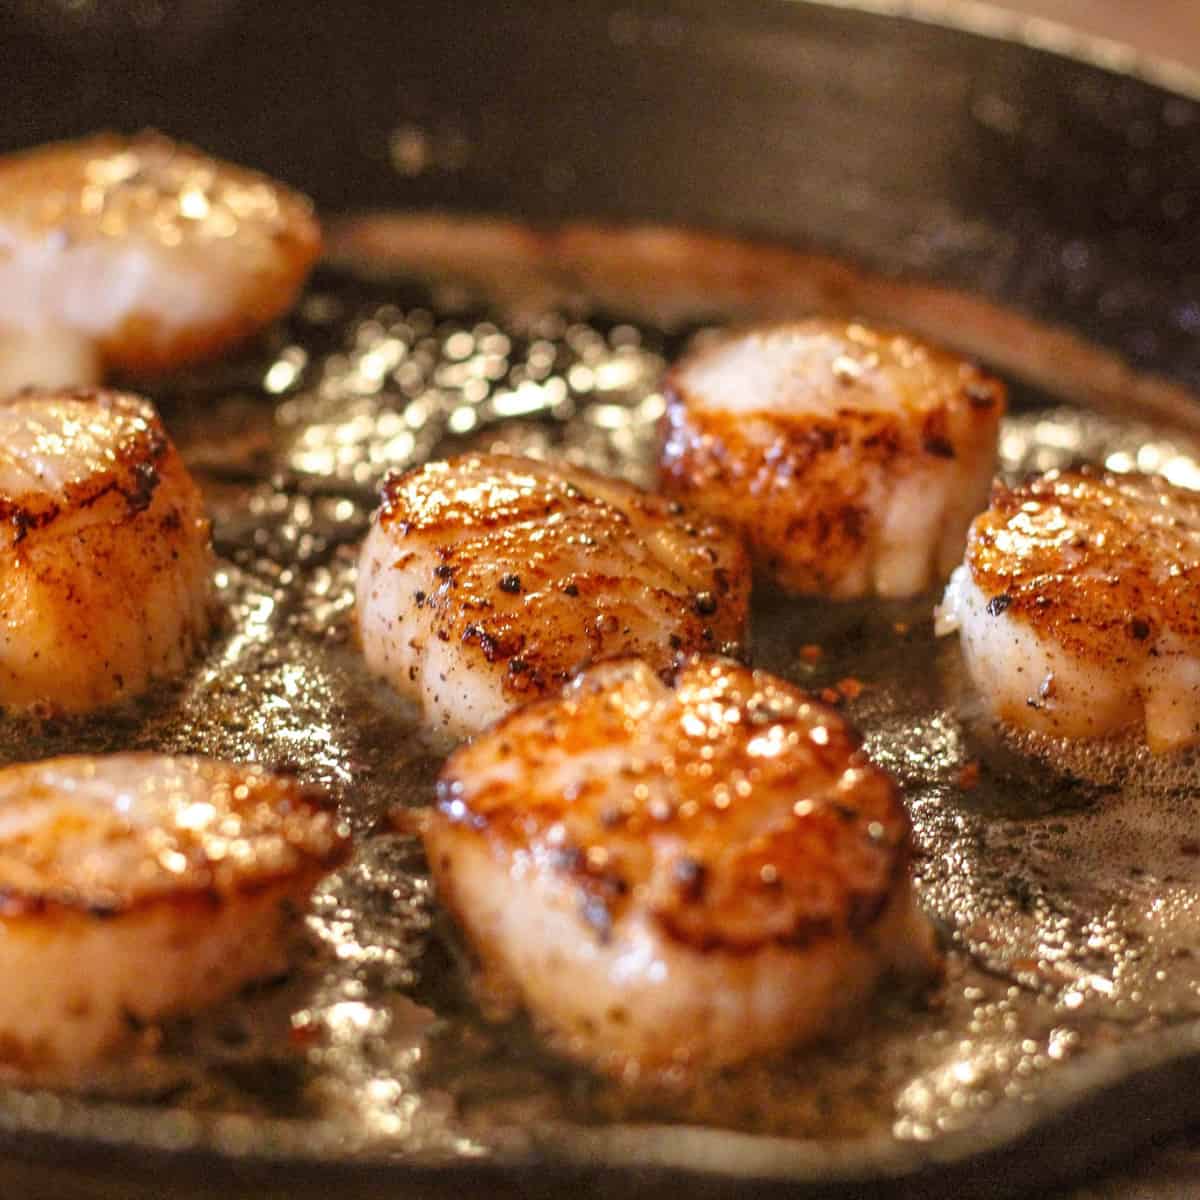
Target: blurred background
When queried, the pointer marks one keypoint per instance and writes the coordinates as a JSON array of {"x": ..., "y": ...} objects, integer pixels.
[{"x": 1167, "y": 28}]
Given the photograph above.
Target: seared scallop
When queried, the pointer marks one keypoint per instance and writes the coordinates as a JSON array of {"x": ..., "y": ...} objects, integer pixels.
[
  {"x": 488, "y": 581},
  {"x": 851, "y": 459},
  {"x": 1079, "y": 606},
  {"x": 140, "y": 254},
  {"x": 134, "y": 887},
  {"x": 105, "y": 559},
  {"x": 681, "y": 874}
]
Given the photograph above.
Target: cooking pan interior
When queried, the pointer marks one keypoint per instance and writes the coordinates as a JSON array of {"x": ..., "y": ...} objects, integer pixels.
[{"x": 1043, "y": 183}]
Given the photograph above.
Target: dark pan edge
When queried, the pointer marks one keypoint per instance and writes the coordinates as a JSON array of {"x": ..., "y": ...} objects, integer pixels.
[
  {"x": 1157, "y": 1094},
  {"x": 1038, "y": 33},
  {"x": 1099, "y": 1115},
  {"x": 1054, "y": 359}
]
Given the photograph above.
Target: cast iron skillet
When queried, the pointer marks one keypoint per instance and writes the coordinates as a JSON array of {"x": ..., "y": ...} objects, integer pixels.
[{"x": 1050, "y": 185}]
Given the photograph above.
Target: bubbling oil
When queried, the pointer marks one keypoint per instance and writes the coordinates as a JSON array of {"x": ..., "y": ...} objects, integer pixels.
[{"x": 1064, "y": 880}]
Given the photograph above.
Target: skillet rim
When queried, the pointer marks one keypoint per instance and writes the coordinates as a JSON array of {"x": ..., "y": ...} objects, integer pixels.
[
  {"x": 1124, "y": 1074},
  {"x": 993, "y": 23}
]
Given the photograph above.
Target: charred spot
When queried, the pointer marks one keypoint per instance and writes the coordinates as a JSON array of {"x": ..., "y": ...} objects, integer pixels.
[
  {"x": 885, "y": 441},
  {"x": 571, "y": 590},
  {"x": 20, "y": 522},
  {"x": 419, "y": 598},
  {"x": 998, "y": 604},
  {"x": 980, "y": 395},
  {"x": 854, "y": 523},
  {"x": 444, "y": 572},
  {"x": 604, "y": 624},
  {"x": 23, "y": 520},
  {"x": 145, "y": 484},
  {"x": 935, "y": 435},
  {"x": 510, "y": 584},
  {"x": 825, "y": 437},
  {"x": 493, "y": 647},
  {"x": 518, "y": 666},
  {"x": 864, "y": 910},
  {"x": 690, "y": 877},
  {"x": 705, "y": 604},
  {"x": 1139, "y": 627},
  {"x": 675, "y": 641},
  {"x": 568, "y": 858},
  {"x": 172, "y": 522}
]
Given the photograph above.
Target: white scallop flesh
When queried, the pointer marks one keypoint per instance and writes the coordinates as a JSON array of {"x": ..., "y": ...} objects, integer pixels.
[
  {"x": 51, "y": 357},
  {"x": 851, "y": 459},
  {"x": 134, "y": 887},
  {"x": 152, "y": 251},
  {"x": 678, "y": 875},
  {"x": 488, "y": 580},
  {"x": 1078, "y": 607}
]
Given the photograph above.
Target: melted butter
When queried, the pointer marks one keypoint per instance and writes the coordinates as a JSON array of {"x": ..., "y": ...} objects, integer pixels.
[{"x": 1067, "y": 888}]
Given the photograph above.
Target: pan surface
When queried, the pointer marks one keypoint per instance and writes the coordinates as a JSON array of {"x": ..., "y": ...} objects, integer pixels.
[{"x": 1041, "y": 183}]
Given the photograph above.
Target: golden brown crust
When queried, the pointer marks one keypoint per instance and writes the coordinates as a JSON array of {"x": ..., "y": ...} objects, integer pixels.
[
  {"x": 107, "y": 189},
  {"x": 132, "y": 472},
  {"x": 226, "y": 832},
  {"x": 106, "y": 551},
  {"x": 750, "y": 817},
  {"x": 525, "y": 562},
  {"x": 1105, "y": 565},
  {"x": 802, "y": 483},
  {"x": 143, "y": 347}
]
